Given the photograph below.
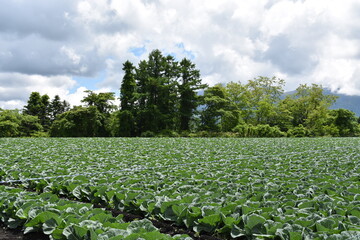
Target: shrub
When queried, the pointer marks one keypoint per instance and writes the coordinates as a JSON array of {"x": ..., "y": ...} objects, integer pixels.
[
  {"x": 262, "y": 130},
  {"x": 168, "y": 133},
  {"x": 242, "y": 130},
  {"x": 331, "y": 130},
  {"x": 265, "y": 130},
  {"x": 148, "y": 134},
  {"x": 298, "y": 131},
  {"x": 40, "y": 134}
]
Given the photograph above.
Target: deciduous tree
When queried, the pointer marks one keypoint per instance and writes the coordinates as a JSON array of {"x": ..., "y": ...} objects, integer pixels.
[
  {"x": 79, "y": 122},
  {"x": 102, "y": 101}
]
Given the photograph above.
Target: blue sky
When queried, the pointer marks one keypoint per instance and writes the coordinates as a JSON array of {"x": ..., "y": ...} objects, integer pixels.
[
  {"x": 89, "y": 82},
  {"x": 67, "y": 46},
  {"x": 138, "y": 51}
]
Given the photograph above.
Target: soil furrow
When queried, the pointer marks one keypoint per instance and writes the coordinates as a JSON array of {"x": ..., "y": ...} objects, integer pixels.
[{"x": 164, "y": 226}]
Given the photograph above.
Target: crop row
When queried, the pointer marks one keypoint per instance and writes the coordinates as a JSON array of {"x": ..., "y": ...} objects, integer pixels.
[
  {"x": 64, "y": 219},
  {"x": 24, "y": 158},
  {"x": 299, "y": 190}
]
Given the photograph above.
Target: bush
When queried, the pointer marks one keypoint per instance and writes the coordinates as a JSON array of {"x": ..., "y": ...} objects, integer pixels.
[
  {"x": 229, "y": 135},
  {"x": 79, "y": 122},
  {"x": 40, "y": 134},
  {"x": 9, "y": 129},
  {"x": 331, "y": 130},
  {"x": 242, "y": 130},
  {"x": 298, "y": 131},
  {"x": 185, "y": 134},
  {"x": 207, "y": 134},
  {"x": 168, "y": 133},
  {"x": 148, "y": 134},
  {"x": 262, "y": 130},
  {"x": 265, "y": 130}
]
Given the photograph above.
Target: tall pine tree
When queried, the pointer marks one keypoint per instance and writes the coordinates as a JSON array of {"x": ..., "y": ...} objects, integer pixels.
[
  {"x": 128, "y": 87},
  {"x": 39, "y": 106},
  {"x": 164, "y": 96},
  {"x": 190, "y": 83},
  {"x": 125, "y": 126},
  {"x": 34, "y": 104},
  {"x": 58, "y": 107}
]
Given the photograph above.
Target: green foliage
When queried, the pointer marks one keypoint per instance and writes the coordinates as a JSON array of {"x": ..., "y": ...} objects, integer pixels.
[
  {"x": 263, "y": 96},
  {"x": 58, "y": 107},
  {"x": 39, "y": 106},
  {"x": 63, "y": 219},
  {"x": 40, "y": 134},
  {"x": 284, "y": 117},
  {"x": 128, "y": 87},
  {"x": 15, "y": 124},
  {"x": 30, "y": 126},
  {"x": 122, "y": 124},
  {"x": 44, "y": 114},
  {"x": 34, "y": 105},
  {"x": 265, "y": 130},
  {"x": 9, "y": 129},
  {"x": 168, "y": 133},
  {"x": 231, "y": 188},
  {"x": 157, "y": 93},
  {"x": 79, "y": 122},
  {"x": 148, "y": 134},
  {"x": 163, "y": 96},
  {"x": 331, "y": 130},
  {"x": 309, "y": 102},
  {"x": 148, "y": 120},
  {"x": 261, "y": 130},
  {"x": 160, "y": 93},
  {"x": 243, "y": 130},
  {"x": 46, "y": 111},
  {"x": 189, "y": 99},
  {"x": 214, "y": 101},
  {"x": 102, "y": 101},
  {"x": 298, "y": 131},
  {"x": 346, "y": 122},
  {"x": 229, "y": 120}
]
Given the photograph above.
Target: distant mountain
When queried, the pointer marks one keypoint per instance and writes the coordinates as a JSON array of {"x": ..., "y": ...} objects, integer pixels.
[
  {"x": 344, "y": 101},
  {"x": 348, "y": 102}
]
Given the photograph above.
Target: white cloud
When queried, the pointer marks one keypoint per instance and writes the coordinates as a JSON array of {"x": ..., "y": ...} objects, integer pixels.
[
  {"x": 16, "y": 88},
  {"x": 230, "y": 40},
  {"x": 76, "y": 97},
  {"x": 71, "y": 55},
  {"x": 330, "y": 71},
  {"x": 12, "y": 104},
  {"x": 114, "y": 75}
]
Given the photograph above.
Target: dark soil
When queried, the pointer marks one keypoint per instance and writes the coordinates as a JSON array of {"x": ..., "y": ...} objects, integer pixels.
[
  {"x": 17, "y": 234},
  {"x": 163, "y": 226}
]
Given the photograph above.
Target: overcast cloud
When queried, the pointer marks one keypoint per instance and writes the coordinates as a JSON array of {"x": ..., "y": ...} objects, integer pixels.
[{"x": 46, "y": 45}]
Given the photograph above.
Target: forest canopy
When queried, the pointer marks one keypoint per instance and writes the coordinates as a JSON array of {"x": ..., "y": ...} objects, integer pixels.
[{"x": 165, "y": 97}]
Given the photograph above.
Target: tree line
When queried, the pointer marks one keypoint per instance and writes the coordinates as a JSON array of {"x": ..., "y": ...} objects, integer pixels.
[{"x": 164, "y": 97}]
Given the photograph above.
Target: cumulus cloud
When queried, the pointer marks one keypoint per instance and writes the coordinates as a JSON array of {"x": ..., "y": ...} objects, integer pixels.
[
  {"x": 46, "y": 43},
  {"x": 15, "y": 88},
  {"x": 76, "y": 97}
]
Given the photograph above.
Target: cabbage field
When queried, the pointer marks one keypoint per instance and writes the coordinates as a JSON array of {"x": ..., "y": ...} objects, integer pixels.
[{"x": 199, "y": 188}]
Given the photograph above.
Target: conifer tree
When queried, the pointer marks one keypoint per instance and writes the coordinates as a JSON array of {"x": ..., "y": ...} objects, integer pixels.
[
  {"x": 128, "y": 87},
  {"x": 190, "y": 83}
]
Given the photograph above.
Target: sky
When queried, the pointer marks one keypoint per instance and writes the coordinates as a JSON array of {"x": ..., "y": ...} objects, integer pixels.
[{"x": 65, "y": 47}]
